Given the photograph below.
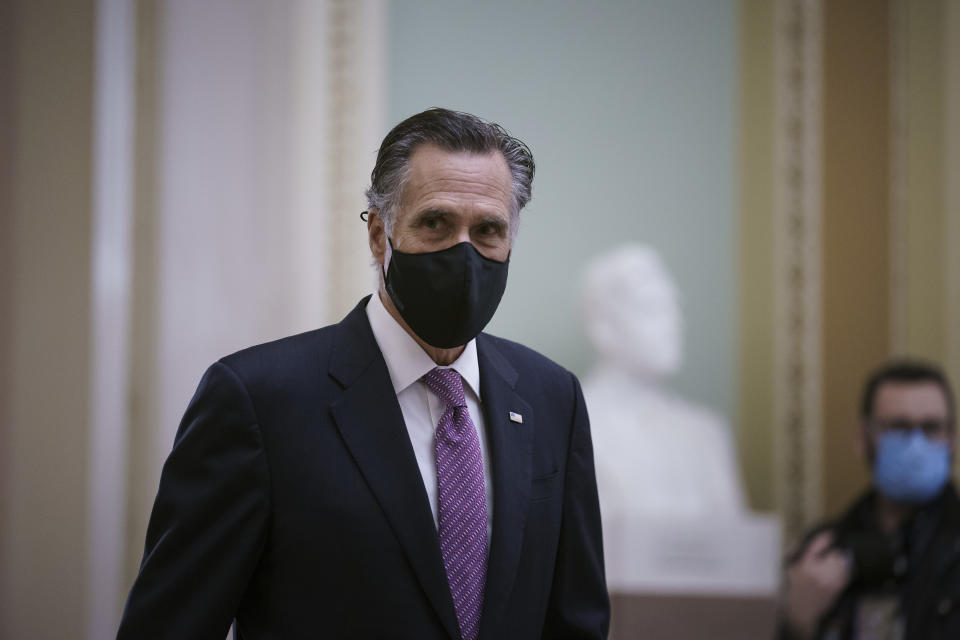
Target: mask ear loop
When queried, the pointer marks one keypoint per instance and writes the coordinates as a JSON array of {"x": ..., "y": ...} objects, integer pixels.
[{"x": 387, "y": 255}]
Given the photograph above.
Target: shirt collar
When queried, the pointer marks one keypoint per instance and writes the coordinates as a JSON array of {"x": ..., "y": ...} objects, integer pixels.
[{"x": 406, "y": 361}]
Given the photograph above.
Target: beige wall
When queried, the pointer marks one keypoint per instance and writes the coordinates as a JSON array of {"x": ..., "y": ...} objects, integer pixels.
[
  {"x": 141, "y": 481},
  {"x": 856, "y": 214},
  {"x": 47, "y": 308},
  {"x": 920, "y": 245},
  {"x": 756, "y": 254},
  {"x": 950, "y": 33},
  {"x": 7, "y": 128}
]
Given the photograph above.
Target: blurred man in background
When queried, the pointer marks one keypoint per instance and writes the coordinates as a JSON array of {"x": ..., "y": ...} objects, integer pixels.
[{"x": 888, "y": 568}]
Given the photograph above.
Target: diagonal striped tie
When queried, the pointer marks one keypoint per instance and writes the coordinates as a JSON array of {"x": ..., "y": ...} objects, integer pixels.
[{"x": 462, "y": 501}]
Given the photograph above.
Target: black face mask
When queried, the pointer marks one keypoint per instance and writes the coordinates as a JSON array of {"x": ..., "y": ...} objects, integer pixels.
[{"x": 447, "y": 297}]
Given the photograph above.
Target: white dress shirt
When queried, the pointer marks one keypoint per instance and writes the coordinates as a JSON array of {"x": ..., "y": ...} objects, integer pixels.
[{"x": 407, "y": 362}]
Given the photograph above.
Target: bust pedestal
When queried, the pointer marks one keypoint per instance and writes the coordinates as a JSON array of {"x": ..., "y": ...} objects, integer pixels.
[{"x": 729, "y": 556}]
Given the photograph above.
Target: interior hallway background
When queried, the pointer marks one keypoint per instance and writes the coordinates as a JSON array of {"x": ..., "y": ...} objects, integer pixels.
[{"x": 181, "y": 179}]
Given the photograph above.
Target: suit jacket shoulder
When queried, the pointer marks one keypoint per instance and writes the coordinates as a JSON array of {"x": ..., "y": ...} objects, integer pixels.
[
  {"x": 537, "y": 377},
  {"x": 318, "y": 361},
  {"x": 522, "y": 355}
]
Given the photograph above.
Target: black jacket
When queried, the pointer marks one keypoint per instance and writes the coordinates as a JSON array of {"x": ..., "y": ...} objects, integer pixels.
[
  {"x": 292, "y": 501},
  {"x": 920, "y": 565}
]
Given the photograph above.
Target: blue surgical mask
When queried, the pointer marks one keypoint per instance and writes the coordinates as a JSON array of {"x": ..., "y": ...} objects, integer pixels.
[{"x": 910, "y": 467}]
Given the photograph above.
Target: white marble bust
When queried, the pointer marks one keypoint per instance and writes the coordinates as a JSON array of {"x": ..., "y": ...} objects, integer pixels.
[{"x": 667, "y": 471}]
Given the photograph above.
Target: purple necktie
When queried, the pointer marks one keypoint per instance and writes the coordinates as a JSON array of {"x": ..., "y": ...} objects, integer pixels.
[{"x": 462, "y": 501}]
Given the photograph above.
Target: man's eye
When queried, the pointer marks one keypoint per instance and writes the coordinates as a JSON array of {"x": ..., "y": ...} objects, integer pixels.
[
  {"x": 934, "y": 427},
  {"x": 431, "y": 222}
]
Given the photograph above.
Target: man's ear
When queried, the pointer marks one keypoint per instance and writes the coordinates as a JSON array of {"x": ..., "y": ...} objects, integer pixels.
[{"x": 376, "y": 235}]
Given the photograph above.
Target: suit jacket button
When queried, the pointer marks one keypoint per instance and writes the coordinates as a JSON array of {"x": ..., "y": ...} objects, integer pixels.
[{"x": 944, "y": 606}]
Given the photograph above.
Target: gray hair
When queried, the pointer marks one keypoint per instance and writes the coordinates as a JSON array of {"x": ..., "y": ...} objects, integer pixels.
[{"x": 451, "y": 131}]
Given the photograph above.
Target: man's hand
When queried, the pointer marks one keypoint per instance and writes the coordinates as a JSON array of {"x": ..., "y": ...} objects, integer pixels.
[{"x": 813, "y": 583}]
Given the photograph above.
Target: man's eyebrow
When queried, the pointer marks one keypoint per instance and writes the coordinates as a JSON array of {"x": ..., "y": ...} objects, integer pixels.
[
  {"x": 493, "y": 220},
  {"x": 432, "y": 213}
]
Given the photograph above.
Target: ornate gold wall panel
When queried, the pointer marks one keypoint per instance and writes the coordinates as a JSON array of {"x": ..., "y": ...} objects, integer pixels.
[{"x": 797, "y": 184}]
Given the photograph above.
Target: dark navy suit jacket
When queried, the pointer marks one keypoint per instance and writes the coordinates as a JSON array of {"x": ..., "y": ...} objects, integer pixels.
[{"x": 292, "y": 502}]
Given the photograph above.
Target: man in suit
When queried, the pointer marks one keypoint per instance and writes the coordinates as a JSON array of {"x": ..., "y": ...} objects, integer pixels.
[{"x": 399, "y": 474}]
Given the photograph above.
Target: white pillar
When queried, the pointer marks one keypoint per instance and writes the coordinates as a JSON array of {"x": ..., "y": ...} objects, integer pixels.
[{"x": 110, "y": 322}]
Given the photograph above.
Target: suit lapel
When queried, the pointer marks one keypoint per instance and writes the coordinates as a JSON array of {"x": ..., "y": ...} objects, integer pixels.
[
  {"x": 371, "y": 424},
  {"x": 511, "y": 450}
]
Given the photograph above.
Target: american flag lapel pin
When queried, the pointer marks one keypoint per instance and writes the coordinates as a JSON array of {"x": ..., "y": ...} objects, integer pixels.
[{"x": 516, "y": 417}]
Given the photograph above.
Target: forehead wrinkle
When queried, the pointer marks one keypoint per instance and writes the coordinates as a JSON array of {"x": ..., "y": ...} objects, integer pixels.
[
  {"x": 435, "y": 173},
  {"x": 458, "y": 203},
  {"x": 475, "y": 184}
]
